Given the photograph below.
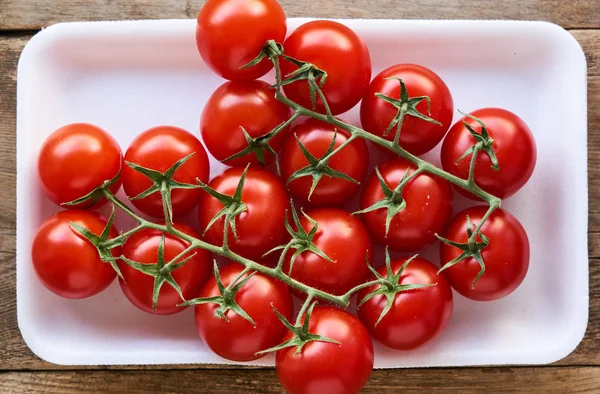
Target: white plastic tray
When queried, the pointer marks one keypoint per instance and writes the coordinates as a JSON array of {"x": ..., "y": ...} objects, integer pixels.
[{"x": 129, "y": 76}]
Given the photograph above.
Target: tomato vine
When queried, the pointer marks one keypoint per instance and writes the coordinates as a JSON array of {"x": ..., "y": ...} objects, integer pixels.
[{"x": 163, "y": 183}]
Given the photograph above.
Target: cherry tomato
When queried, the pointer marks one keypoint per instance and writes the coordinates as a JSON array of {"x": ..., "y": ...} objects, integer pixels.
[
  {"x": 328, "y": 367},
  {"x": 158, "y": 149},
  {"x": 262, "y": 226},
  {"x": 335, "y": 49},
  {"x": 75, "y": 160},
  {"x": 513, "y": 145},
  {"x": 316, "y": 136},
  {"x": 428, "y": 207},
  {"x": 506, "y": 257},
  {"x": 345, "y": 240},
  {"x": 418, "y": 136},
  {"x": 237, "y": 339},
  {"x": 231, "y": 33},
  {"x": 142, "y": 247},
  {"x": 251, "y": 105},
  {"x": 65, "y": 261},
  {"x": 416, "y": 316}
]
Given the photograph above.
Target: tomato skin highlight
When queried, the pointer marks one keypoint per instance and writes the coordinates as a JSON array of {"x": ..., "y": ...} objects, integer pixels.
[
  {"x": 76, "y": 159},
  {"x": 158, "y": 149},
  {"x": 429, "y": 204},
  {"x": 231, "y": 33},
  {"x": 66, "y": 263},
  {"x": 327, "y": 367},
  {"x": 233, "y": 105},
  {"x": 417, "y": 316},
  {"x": 506, "y": 257},
  {"x": 262, "y": 226},
  {"x": 345, "y": 240},
  {"x": 238, "y": 339},
  {"x": 335, "y": 49},
  {"x": 513, "y": 145},
  {"x": 142, "y": 247},
  {"x": 317, "y": 136},
  {"x": 417, "y": 136}
]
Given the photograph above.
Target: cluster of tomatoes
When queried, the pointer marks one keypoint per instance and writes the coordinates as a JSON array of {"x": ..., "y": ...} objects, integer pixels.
[{"x": 403, "y": 207}]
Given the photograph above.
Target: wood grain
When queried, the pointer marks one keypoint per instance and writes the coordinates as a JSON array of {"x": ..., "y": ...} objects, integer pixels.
[
  {"x": 34, "y": 14},
  {"x": 477, "y": 380},
  {"x": 578, "y": 373}
]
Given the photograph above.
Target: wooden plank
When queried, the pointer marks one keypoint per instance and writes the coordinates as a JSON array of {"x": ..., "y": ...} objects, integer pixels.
[
  {"x": 477, "y": 380},
  {"x": 14, "y": 354},
  {"x": 34, "y": 14}
]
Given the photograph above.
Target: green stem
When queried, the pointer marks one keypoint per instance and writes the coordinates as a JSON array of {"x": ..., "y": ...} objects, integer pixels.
[
  {"x": 303, "y": 309},
  {"x": 403, "y": 111},
  {"x": 326, "y": 158}
]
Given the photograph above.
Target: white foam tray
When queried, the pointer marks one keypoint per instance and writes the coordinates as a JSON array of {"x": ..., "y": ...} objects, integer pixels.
[{"x": 129, "y": 76}]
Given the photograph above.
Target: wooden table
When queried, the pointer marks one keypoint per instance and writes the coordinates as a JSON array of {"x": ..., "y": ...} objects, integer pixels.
[{"x": 21, "y": 371}]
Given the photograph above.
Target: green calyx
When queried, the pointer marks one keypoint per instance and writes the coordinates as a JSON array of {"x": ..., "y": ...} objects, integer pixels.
[
  {"x": 405, "y": 106},
  {"x": 483, "y": 143},
  {"x": 272, "y": 50},
  {"x": 315, "y": 77},
  {"x": 161, "y": 271},
  {"x": 232, "y": 207},
  {"x": 301, "y": 241},
  {"x": 95, "y": 195},
  {"x": 259, "y": 146},
  {"x": 102, "y": 242},
  {"x": 163, "y": 183},
  {"x": 471, "y": 249},
  {"x": 390, "y": 285},
  {"x": 301, "y": 335},
  {"x": 226, "y": 299},
  {"x": 318, "y": 168},
  {"x": 392, "y": 200}
]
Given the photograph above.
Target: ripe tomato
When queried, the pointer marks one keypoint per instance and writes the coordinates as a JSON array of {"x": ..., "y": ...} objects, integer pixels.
[
  {"x": 428, "y": 208},
  {"x": 142, "y": 247},
  {"x": 67, "y": 263},
  {"x": 251, "y": 105},
  {"x": 513, "y": 145},
  {"x": 335, "y": 49},
  {"x": 324, "y": 367},
  {"x": 417, "y": 136},
  {"x": 506, "y": 257},
  {"x": 316, "y": 136},
  {"x": 230, "y": 33},
  {"x": 345, "y": 240},
  {"x": 262, "y": 226},
  {"x": 237, "y": 339},
  {"x": 75, "y": 160},
  {"x": 416, "y": 316},
  {"x": 158, "y": 149}
]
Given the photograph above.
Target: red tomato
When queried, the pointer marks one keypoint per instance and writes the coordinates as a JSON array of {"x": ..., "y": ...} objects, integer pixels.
[
  {"x": 428, "y": 208},
  {"x": 75, "y": 160},
  {"x": 142, "y": 247},
  {"x": 233, "y": 105},
  {"x": 317, "y": 136},
  {"x": 67, "y": 263},
  {"x": 513, "y": 145},
  {"x": 335, "y": 49},
  {"x": 324, "y": 367},
  {"x": 237, "y": 339},
  {"x": 158, "y": 149},
  {"x": 231, "y": 33},
  {"x": 345, "y": 240},
  {"x": 262, "y": 226},
  {"x": 418, "y": 136},
  {"x": 506, "y": 257},
  {"x": 416, "y": 316}
]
